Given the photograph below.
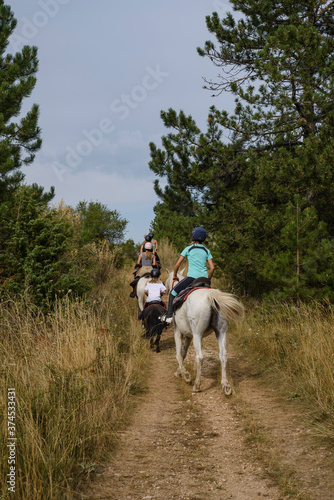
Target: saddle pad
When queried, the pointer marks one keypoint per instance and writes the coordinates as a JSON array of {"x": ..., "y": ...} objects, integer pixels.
[
  {"x": 154, "y": 302},
  {"x": 184, "y": 294}
]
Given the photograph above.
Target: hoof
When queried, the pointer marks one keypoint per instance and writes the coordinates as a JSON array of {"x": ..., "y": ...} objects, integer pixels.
[
  {"x": 187, "y": 378},
  {"x": 157, "y": 349},
  {"x": 177, "y": 374},
  {"x": 196, "y": 389},
  {"x": 227, "y": 390}
]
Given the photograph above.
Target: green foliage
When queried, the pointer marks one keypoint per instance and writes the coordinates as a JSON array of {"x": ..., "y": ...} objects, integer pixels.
[
  {"x": 99, "y": 223},
  {"x": 19, "y": 141},
  {"x": 35, "y": 248},
  {"x": 278, "y": 62},
  {"x": 128, "y": 252},
  {"x": 302, "y": 264},
  {"x": 168, "y": 224}
]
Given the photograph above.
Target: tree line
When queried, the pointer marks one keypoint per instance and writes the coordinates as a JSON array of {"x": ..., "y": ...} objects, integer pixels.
[{"x": 260, "y": 179}]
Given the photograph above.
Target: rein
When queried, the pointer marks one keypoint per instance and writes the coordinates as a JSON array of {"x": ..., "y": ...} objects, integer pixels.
[{"x": 175, "y": 279}]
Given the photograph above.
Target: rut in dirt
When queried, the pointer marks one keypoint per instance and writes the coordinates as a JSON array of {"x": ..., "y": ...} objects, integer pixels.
[
  {"x": 194, "y": 446},
  {"x": 182, "y": 445}
]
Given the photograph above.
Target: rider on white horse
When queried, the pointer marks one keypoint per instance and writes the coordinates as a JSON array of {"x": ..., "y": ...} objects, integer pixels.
[{"x": 198, "y": 256}]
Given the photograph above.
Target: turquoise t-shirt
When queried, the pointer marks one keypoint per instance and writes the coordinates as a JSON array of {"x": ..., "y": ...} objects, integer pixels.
[{"x": 197, "y": 256}]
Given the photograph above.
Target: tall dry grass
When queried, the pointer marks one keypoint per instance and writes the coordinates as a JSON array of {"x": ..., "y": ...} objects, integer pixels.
[
  {"x": 168, "y": 256},
  {"x": 73, "y": 371},
  {"x": 296, "y": 345}
]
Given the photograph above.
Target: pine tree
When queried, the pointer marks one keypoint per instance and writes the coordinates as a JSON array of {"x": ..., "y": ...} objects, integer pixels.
[
  {"x": 278, "y": 60},
  {"x": 240, "y": 177},
  {"x": 19, "y": 136}
]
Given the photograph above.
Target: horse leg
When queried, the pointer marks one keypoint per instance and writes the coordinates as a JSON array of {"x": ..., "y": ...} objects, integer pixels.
[
  {"x": 157, "y": 340},
  {"x": 199, "y": 361},
  {"x": 220, "y": 327},
  {"x": 185, "y": 347},
  {"x": 181, "y": 371}
]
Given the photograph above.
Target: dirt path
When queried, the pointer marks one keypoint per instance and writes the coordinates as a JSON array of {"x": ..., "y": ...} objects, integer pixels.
[{"x": 205, "y": 446}]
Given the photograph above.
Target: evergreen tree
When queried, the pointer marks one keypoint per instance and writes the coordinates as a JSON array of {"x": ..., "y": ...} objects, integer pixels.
[
  {"x": 35, "y": 258},
  {"x": 99, "y": 223},
  {"x": 240, "y": 177},
  {"x": 19, "y": 137}
]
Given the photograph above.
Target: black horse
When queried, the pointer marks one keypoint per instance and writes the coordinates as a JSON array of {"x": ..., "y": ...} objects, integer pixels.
[{"x": 152, "y": 323}]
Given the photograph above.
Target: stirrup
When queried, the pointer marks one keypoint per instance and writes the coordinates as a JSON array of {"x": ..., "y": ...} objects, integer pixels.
[{"x": 165, "y": 319}]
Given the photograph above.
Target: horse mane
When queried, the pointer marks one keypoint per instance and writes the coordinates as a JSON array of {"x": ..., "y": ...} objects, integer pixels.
[{"x": 169, "y": 283}]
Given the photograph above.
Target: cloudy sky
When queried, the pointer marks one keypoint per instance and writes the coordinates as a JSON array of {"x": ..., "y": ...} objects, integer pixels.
[{"x": 106, "y": 70}]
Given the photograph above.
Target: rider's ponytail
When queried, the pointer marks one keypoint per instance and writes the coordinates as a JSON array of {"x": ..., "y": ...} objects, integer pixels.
[{"x": 148, "y": 254}]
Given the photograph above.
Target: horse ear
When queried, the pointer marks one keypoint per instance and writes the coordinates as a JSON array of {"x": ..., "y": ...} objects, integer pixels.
[
  {"x": 182, "y": 272},
  {"x": 167, "y": 270}
]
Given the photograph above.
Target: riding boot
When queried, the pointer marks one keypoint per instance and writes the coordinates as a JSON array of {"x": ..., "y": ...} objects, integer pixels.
[
  {"x": 168, "y": 317},
  {"x": 134, "y": 284}
]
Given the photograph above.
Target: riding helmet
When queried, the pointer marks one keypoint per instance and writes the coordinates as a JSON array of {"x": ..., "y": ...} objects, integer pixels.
[
  {"x": 155, "y": 273},
  {"x": 198, "y": 234},
  {"x": 148, "y": 237}
]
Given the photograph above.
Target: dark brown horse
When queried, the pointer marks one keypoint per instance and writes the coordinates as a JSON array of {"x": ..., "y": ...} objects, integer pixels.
[{"x": 152, "y": 324}]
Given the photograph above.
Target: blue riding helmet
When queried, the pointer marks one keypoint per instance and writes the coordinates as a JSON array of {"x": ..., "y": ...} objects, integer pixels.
[{"x": 198, "y": 234}]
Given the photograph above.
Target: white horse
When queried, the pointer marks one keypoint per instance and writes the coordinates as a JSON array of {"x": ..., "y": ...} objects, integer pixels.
[
  {"x": 204, "y": 311},
  {"x": 169, "y": 281},
  {"x": 140, "y": 291}
]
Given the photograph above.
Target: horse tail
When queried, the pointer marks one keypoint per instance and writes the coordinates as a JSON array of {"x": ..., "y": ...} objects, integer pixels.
[{"x": 227, "y": 304}]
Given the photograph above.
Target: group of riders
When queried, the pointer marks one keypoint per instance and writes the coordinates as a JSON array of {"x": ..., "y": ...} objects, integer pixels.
[{"x": 198, "y": 256}]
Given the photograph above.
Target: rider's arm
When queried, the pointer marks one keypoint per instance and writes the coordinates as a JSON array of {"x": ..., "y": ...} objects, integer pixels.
[{"x": 211, "y": 268}]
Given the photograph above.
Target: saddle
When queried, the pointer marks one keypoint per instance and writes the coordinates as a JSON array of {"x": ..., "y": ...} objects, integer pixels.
[
  {"x": 195, "y": 285},
  {"x": 155, "y": 302},
  {"x": 142, "y": 313}
]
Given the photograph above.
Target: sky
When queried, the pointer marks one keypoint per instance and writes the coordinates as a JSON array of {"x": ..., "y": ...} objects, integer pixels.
[{"x": 106, "y": 70}]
